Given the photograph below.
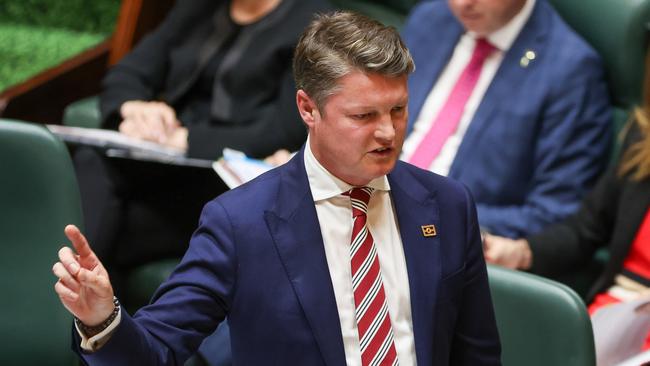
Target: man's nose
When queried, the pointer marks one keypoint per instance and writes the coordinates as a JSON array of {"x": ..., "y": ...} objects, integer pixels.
[{"x": 385, "y": 129}]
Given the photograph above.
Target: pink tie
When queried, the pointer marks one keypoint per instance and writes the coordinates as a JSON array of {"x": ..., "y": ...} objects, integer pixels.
[
  {"x": 373, "y": 320},
  {"x": 449, "y": 116}
]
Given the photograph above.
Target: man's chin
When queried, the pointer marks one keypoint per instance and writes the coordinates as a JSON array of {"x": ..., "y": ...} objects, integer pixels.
[{"x": 385, "y": 168}]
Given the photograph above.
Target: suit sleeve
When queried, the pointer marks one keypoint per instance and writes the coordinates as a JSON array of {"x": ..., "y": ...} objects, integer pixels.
[
  {"x": 141, "y": 74},
  {"x": 573, "y": 139},
  {"x": 277, "y": 127},
  {"x": 476, "y": 339},
  {"x": 565, "y": 245},
  {"x": 186, "y": 308}
]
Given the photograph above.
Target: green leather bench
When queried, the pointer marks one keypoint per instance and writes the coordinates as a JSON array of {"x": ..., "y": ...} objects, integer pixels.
[
  {"x": 541, "y": 322},
  {"x": 38, "y": 196}
]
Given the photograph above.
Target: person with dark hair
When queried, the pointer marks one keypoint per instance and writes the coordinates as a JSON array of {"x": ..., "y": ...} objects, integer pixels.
[{"x": 343, "y": 255}]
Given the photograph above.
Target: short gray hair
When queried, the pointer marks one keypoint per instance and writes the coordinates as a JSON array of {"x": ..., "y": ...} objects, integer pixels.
[{"x": 337, "y": 43}]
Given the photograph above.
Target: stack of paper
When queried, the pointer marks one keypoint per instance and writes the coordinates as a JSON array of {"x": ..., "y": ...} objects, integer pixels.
[{"x": 235, "y": 168}]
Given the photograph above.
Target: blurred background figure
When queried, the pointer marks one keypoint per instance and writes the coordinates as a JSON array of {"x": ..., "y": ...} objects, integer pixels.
[
  {"x": 614, "y": 215},
  {"x": 509, "y": 100},
  {"x": 214, "y": 74}
]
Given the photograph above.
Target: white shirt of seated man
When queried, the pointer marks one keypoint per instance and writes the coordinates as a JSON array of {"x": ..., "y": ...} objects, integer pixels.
[{"x": 501, "y": 38}]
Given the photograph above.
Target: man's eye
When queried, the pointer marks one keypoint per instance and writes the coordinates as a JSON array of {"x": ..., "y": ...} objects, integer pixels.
[{"x": 362, "y": 116}]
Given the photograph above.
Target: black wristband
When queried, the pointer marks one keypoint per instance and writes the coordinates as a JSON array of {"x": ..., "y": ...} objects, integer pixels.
[{"x": 96, "y": 329}]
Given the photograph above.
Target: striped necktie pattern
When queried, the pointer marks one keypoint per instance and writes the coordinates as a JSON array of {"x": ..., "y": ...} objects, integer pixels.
[{"x": 371, "y": 310}]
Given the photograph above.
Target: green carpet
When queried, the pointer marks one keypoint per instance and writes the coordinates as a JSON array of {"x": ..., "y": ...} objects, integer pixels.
[
  {"x": 93, "y": 16},
  {"x": 26, "y": 51},
  {"x": 39, "y": 34}
]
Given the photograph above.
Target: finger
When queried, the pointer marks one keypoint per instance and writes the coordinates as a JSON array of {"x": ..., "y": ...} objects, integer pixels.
[
  {"x": 140, "y": 125},
  {"x": 131, "y": 107},
  {"x": 494, "y": 254},
  {"x": 169, "y": 117},
  {"x": 69, "y": 260},
  {"x": 148, "y": 121},
  {"x": 64, "y": 276},
  {"x": 128, "y": 128},
  {"x": 97, "y": 282},
  {"x": 86, "y": 255},
  {"x": 155, "y": 123},
  {"x": 489, "y": 256},
  {"x": 490, "y": 260},
  {"x": 65, "y": 293}
]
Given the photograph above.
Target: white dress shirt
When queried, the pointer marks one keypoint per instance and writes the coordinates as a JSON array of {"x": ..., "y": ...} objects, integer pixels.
[
  {"x": 334, "y": 213},
  {"x": 501, "y": 39}
]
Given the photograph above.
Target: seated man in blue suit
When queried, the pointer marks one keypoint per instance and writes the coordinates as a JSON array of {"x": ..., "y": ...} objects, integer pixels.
[
  {"x": 343, "y": 255},
  {"x": 507, "y": 99}
]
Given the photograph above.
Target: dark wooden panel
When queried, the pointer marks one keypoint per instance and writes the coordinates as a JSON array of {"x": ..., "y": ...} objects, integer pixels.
[
  {"x": 136, "y": 19},
  {"x": 43, "y": 97}
]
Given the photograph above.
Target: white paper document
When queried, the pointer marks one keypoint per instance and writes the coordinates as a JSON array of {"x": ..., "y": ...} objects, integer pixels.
[
  {"x": 640, "y": 359},
  {"x": 620, "y": 331},
  {"x": 118, "y": 145},
  {"x": 235, "y": 168}
]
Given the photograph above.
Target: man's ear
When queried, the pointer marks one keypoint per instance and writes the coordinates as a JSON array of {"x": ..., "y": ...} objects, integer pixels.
[{"x": 307, "y": 108}]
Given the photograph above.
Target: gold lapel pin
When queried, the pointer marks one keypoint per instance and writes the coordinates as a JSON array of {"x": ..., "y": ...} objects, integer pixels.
[
  {"x": 429, "y": 230},
  {"x": 527, "y": 58}
]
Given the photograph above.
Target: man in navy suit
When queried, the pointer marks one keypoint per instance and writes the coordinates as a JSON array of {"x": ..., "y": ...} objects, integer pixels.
[
  {"x": 534, "y": 132},
  {"x": 341, "y": 256}
]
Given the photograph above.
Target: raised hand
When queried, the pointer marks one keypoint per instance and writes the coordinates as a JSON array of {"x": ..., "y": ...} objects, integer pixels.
[{"x": 83, "y": 286}]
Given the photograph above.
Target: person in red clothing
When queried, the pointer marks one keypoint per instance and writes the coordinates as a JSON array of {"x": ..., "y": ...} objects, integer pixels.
[{"x": 616, "y": 214}]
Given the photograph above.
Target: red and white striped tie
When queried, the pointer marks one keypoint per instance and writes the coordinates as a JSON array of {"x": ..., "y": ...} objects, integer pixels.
[{"x": 371, "y": 310}]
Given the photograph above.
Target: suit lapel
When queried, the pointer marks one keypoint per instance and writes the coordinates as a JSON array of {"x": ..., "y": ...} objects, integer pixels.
[
  {"x": 509, "y": 75},
  {"x": 416, "y": 207},
  {"x": 294, "y": 226}
]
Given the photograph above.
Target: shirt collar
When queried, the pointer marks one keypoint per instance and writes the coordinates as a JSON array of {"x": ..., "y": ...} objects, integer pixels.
[
  {"x": 504, "y": 37},
  {"x": 325, "y": 185}
]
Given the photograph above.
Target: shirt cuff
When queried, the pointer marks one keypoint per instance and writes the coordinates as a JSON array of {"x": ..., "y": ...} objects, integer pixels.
[{"x": 96, "y": 342}]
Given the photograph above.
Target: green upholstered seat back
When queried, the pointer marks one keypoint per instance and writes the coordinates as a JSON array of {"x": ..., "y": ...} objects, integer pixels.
[
  {"x": 541, "y": 322},
  {"x": 83, "y": 113},
  {"x": 618, "y": 30},
  {"x": 38, "y": 197},
  {"x": 143, "y": 282},
  {"x": 389, "y": 12}
]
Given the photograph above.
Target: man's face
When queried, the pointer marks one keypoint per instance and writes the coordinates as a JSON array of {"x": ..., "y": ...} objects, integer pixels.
[
  {"x": 485, "y": 16},
  {"x": 358, "y": 134}
]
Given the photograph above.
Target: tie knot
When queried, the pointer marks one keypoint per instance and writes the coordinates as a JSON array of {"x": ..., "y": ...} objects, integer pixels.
[
  {"x": 482, "y": 49},
  {"x": 359, "y": 197}
]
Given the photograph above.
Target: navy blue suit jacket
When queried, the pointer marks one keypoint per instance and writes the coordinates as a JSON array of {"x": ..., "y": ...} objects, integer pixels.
[
  {"x": 539, "y": 137},
  {"x": 258, "y": 258}
]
